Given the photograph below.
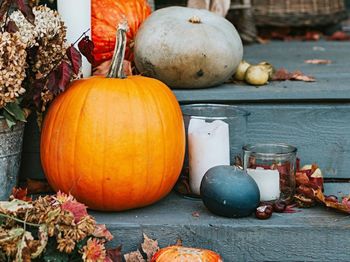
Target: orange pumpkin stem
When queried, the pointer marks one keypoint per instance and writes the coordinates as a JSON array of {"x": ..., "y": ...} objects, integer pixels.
[{"x": 116, "y": 69}]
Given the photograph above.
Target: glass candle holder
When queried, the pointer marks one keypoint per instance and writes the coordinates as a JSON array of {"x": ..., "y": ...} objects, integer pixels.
[
  {"x": 273, "y": 167},
  {"x": 215, "y": 134}
]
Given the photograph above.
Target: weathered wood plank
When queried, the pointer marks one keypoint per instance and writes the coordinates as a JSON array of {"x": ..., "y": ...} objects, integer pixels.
[
  {"x": 338, "y": 189},
  {"x": 333, "y": 81},
  {"x": 315, "y": 234},
  {"x": 325, "y": 89},
  {"x": 321, "y": 132}
]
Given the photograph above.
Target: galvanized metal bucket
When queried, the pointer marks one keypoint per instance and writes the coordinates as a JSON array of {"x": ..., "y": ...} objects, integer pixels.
[{"x": 10, "y": 156}]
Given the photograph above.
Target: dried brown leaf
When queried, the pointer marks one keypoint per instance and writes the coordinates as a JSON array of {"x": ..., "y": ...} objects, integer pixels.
[
  {"x": 339, "y": 36},
  {"x": 281, "y": 74},
  {"x": 336, "y": 205},
  {"x": 149, "y": 246},
  {"x": 178, "y": 242},
  {"x": 115, "y": 254},
  {"x": 4, "y": 8},
  {"x": 318, "y": 61},
  {"x": 38, "y": 187},
  {"x": 299, "y": 76},
  {"x": 195, "y": 214},
  {"x": 134, "y": 257},
  {"x": 312, "y": 36}
]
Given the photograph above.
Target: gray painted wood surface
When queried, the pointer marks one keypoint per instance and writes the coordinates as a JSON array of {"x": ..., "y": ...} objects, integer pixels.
[
  {"x": 315, "y": 234},
  {"x": 315, "y": 117},
  {"x": 333, "y": 81}
]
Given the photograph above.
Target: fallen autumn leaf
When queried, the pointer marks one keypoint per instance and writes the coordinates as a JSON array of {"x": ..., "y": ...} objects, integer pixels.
[{"x": 318, "y": 61}]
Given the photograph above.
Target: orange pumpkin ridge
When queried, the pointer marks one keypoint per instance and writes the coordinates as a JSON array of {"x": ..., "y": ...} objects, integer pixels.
[{"x": 114, "y": 143}]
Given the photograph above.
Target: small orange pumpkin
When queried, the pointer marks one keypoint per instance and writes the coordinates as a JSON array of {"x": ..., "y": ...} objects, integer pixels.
[
  {"x": 105, "y": 14},
  {"x": 114, "y": 143},
  {"x": 185, "y": 254}
]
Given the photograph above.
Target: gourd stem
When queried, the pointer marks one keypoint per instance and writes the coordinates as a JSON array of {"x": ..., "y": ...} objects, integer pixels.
[{"x": 116, "y": 69}]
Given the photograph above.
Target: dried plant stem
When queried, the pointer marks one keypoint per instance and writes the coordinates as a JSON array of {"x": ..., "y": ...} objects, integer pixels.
[
  {"x": 19, "y": 220},
  {"x": 80, "y": 37}
]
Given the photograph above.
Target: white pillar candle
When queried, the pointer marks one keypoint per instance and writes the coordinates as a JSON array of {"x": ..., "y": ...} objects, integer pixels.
[
  {"x": 268, "y": 182},
  {"x": 208, "y": 146},
  {"x": 76, "y": 15}
]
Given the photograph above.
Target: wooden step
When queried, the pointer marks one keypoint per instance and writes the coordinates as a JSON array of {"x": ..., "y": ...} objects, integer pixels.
[
  {"x": 314, "y": 117},
  {"x": 314, "y": 234}
]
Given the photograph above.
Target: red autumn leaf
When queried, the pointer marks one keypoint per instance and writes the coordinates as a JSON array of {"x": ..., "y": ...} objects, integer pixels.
[
  {"x": 312, "y": 36},
  {"x": 290, "y": 209},
  {"x": 115, "y": 254},
  {"x": 281, "y": 74},
  {"x": 4, "y": 8},
  {"x": 77, "y": 209},
  {"x": 346, "y": 202},
  {"x": 20, "y": 194},
  {"x": 64, "y": 73},
  {"x": 301, "y": 178},
  {"x": 52, "y": 82},
  {"x": 299, "y": 76},
  {"x": 318, "y": 61},
  {"x": 344, "y": 207},
  {"x": 86, "y": 47},
  {"x": 26, "y": 10},
  {"x": 75, "y": 58},
  {"x": 11, "y": 27},
  {"x": 195, "y": 214},
  {"x": 339, "y": 36},
  {"x": 38, "y": 186},
  {"x": 38, "y": 85},
  {"x": 306, "y": 191}
]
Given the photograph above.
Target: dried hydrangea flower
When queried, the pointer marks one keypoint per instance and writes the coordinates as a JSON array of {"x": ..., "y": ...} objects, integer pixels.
[
  {"x": 48, "y": 33},
  {"x": 48, "y": 24},
  {"x": 12, "y": 67}
]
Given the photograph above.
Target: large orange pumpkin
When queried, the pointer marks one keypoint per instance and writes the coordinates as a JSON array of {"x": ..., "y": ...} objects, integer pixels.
[
  {"x": 185, "y": 254},
  {"x": 105, "y": 15},
  {"x": 114, "y": 143}
]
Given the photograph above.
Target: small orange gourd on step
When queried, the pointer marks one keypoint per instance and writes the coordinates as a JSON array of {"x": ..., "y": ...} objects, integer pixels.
[
  {"x": 185, "y": 254},
  {"x": 114, "y": 142}
]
